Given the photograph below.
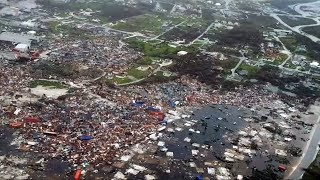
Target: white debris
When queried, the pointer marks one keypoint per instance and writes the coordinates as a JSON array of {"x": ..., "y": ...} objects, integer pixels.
[
  {"x": 196, "y": 145},
  {"x": 139, "y": 168},
  {"x": 244, "y": 141},
  {"x": 170, "y": 130},
  {"x": 287, "y": 139},
  {"x": 132, "y": 171},
  {"x": 211, "y": 171},
  {"x": 32, "y": 143},
  {"x": 153, "y": 137},
  {"x": 253, "y": 133},
  {"x": 178, "y": 129},
  {"x": 116, "y": 145},
  {"x": 162, "y": 128},
  {"x": 119, "y": 175},
  {"x": 149, "y": 177},
  {"x": 17, "y": 111},
  {"x": 161, "y": 143},
  {"x": 40, "y": 161},
  {"x": 280, "y": 152},
  {"x": 22, "y": 177},
  {"x": 183, "y": 116},
  {"x": 126, "y": 158},
  {"x": 239, "y": 177},
  {"x": 164, "y": 149},
  {"x": 169, "y": 154},
  {"x": 187, "y": 139},
  {"x": 194, "y": 152},
  {"x": 192, "y": 164}
]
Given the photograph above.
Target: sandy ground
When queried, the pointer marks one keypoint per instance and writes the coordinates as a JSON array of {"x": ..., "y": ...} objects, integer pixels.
[{"x": 48, "y": 91}]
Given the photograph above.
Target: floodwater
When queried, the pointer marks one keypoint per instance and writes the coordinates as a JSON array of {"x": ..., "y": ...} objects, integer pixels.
[
  {"x": 208, "y": 130},
  {"x": 213, "y": 123},
  {"x": 54, "y": 169}
]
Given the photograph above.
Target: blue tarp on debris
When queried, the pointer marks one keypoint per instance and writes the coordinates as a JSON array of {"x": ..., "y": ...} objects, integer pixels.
[
  {"x": 137, "y": 104},
  {"x": 172, "y": 103},
  {"x": 85, "y": 138},
  {"x": 153, "y": 109}
]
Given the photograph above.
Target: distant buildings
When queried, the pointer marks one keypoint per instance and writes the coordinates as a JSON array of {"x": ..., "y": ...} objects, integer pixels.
[
  {"x": 315, "y": 67},
  {"x": 299, "y": 60}
]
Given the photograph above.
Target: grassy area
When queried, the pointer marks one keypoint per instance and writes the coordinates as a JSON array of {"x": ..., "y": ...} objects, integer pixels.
[
  {"x": 227, "y": 65},
  {"x": 297, "y": 21},
  {"x": 290, "y": 42},
  {"x": 197, "y": 23},
  {"x": 161, "y": 50},
  {"x": 166, "y": 6},
  {"x": 138, "y": 74},
  {"x": 154, "y": 50},
  {"x": 149, "y": 61},
  {"x": 143, "y": 24},
  {"x": 252, "y": 70},
  {"x": 68, "y": 29},
  {"x": 280, "y": 59},
  {"x": 120, "y": 81},
  {"x": 52, "y": 84},
  {"x": 290, "y": 65},
  {"x": 315, "y": 30}
]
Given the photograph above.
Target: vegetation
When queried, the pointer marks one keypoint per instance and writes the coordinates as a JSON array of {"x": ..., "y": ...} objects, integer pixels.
[
  {"x": 290, "y": 42},
  {"x": 280, "y": 159},
  {"x": 241, "y": 36},
  {"x": 268, "y": 174},
  {"x": 294, "y": 151},
  {"x": 261, "y": 22},
  {"x": 139, "y": 74},
  {"x": 52, "y": 84},
  {"x": 69, "y": 30},
  {"x": 166, "y": 6},
  {"x": 252, "y": 70},
  {"x": 284, "y": 4},
  {"x": 315, "y": 30},
  {"x": 224, "y": 50},
  {"x": 280, "y": 59},
  {"x": 106, "y": 8},
  {"x": 160, "y": 50},
  {"x": 296, "y": 21},
  {"x": 143, "y": 23},
  {"x": 120, "y": 81}
]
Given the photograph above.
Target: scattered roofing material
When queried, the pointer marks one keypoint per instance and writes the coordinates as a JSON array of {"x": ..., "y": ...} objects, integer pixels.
[
  {"x": 22, "y": 47},
  {"x": 18, "y": 38}
]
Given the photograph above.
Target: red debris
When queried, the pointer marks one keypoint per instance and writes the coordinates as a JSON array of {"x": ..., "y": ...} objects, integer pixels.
[
  {"x": 16, "y": 124},
  {"x": 77, "y": 176},
  {"x": 282, "y": 168},
  {"x": 35, "y": 55},
  {"x": 31, "y": 120},
  {"x": 157, "y": 114}
]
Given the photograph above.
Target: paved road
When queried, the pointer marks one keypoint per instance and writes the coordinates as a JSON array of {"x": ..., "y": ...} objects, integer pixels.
[
  {"x": 208, "y": 28},
  {"x": 298, "y": 29},
  {"x": 286, "y": 51},
  {"x": 154, "y": 38}
]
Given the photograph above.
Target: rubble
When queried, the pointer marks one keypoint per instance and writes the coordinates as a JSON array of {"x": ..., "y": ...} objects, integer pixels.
[{"x": 81, "y": 115}]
